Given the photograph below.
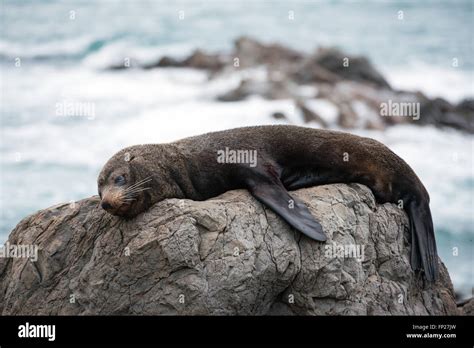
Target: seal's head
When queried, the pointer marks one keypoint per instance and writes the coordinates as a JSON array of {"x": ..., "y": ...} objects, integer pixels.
[{"x": 124, "y": 185}]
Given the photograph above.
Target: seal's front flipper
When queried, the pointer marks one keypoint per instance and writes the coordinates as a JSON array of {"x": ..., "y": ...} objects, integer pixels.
[{"x": 292, "y": 210}]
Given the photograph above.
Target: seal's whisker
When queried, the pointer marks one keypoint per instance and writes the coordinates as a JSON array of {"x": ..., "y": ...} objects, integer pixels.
[
  {"x": 129, "y": 199},
  {"x": 139, "y": 183},
  {"x": 137, "y": 190},
  {"x": 132, "y": 188},
  {"x": 124, "y": 196}
]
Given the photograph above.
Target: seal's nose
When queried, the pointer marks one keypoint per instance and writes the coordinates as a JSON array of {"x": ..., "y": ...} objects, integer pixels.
[{"x": 105, "y": 205}]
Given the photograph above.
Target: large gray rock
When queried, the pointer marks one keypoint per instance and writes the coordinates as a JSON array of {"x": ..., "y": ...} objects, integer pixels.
[{"x": 227, "y": 255}]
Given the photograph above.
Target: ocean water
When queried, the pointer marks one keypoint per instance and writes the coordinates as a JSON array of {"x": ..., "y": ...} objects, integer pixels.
[{"x": 55, "y": 52}]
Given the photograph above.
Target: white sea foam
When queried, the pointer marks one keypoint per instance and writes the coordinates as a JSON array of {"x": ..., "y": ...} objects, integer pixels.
[
  {"x": 447, "y": 82},
  {"x": 46, "y": 49},
  {"x": 325, "y": 109},
  {"x": 115, "y": 53},
  {"x": 443, "y": 159}
]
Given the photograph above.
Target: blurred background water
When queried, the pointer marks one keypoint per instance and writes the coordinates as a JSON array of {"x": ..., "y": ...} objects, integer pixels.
[{"x": 56, "y": 51}]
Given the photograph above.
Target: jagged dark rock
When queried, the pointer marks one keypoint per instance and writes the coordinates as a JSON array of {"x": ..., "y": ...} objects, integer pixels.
[
  {"x": 165, "y": 62},
  {"x": 440, "y": 112},
  {"x": 357, "y": 69},
  {"x": 197, "y": 60},
  {"x": 310, "y": 71}
]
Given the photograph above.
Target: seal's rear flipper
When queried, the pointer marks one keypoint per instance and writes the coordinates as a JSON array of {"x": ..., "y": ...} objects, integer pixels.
[
  {"x": 292, "y": 210},
  {"x": 423, "y": 244}
]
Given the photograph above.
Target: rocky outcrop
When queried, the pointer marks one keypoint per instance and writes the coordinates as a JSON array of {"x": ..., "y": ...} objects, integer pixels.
[
  {"x": 350, "y": 82},
  {"x": 349, "y": 67},
  {"x": 197, "y": 60},
  {"x": 440, "y": 112},
  {"x": 228, "y": 255}
]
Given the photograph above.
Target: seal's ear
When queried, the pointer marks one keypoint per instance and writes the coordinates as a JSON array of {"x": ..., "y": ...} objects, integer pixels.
[
  {"x": 128, "y": 156},
  {"x": 291, "y": 209},
  {"x": 135, "y": 161},
  {"x": 138, "y": 167}
]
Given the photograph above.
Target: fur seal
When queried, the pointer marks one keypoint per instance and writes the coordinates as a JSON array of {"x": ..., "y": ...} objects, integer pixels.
[{"x": 285, "y": 158}]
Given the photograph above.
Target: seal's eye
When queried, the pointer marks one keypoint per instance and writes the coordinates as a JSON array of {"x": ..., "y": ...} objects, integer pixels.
[{"x": 119, "y": 180}]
